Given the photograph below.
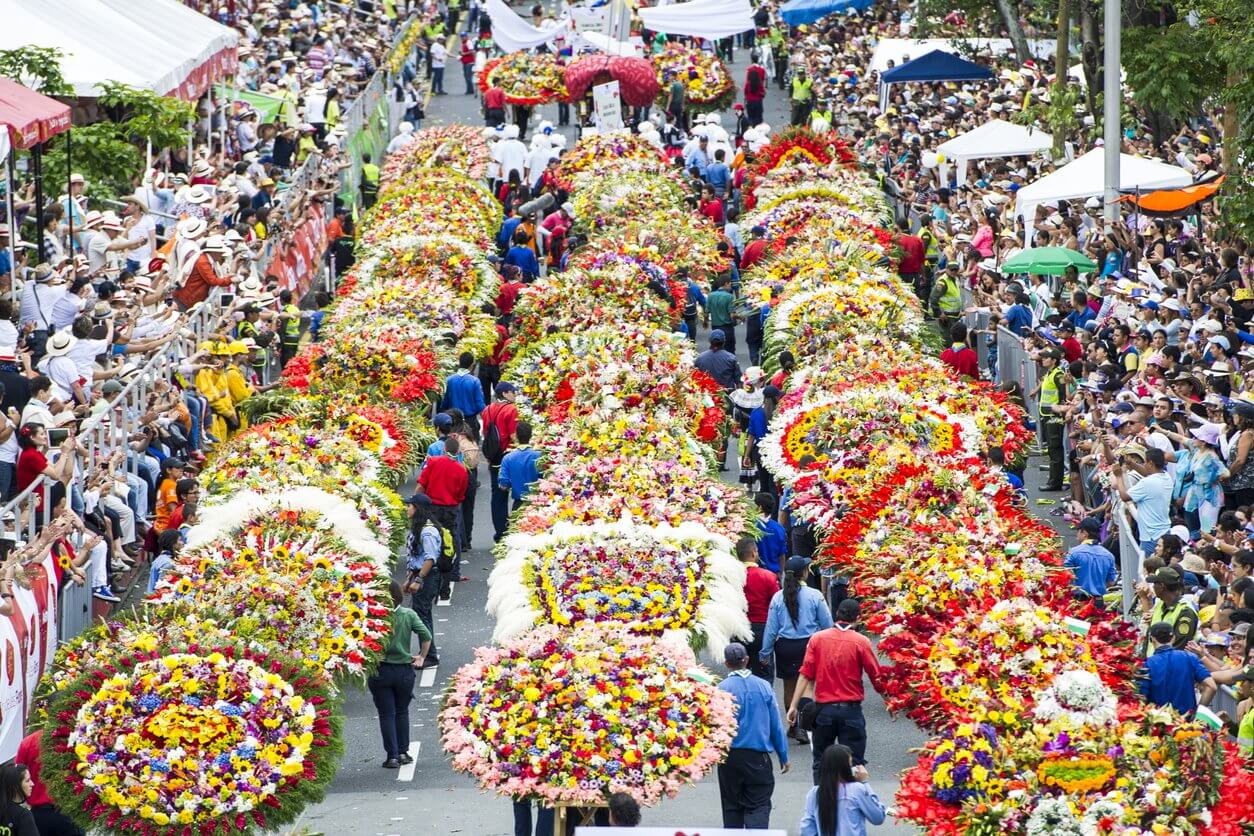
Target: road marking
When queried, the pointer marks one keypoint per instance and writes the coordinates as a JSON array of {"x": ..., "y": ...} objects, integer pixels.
[
  {"x": 407, "y": 771},
  {"x": 428, "y": 677}
]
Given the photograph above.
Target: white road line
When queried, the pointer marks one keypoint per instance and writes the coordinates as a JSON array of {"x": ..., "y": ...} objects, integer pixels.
[
  {"x": 407, "y": 771},
  {"x": 428, "y": 677},
  {"x": 447, "y": 602}
]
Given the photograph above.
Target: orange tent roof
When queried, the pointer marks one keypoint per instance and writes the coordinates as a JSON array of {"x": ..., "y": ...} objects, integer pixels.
[{"x": 1173, "y": 201}]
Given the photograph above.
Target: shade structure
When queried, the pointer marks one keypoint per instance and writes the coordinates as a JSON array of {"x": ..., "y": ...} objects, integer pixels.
[
  {"x": 637, "y": 80},
  {"x": 31, "y": 118},
  {"x": 1165, "y": 203},
  {"x": 996, "y": 138},
  {"x": 1084, "y": 178},
  {"x": 1048, "y": 261},
  {"x": 937, "y": 65},
  {"x": 900, "y": 50},
  {"x": 513, "y": 34},
  {"x": 157, "y": 45},
  {"x": 700, "y": 18},
  {"x": 801, "y": 12}
]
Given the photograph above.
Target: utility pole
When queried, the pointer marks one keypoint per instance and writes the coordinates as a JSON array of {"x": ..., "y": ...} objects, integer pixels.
[{"x": 1112, "y": 95}]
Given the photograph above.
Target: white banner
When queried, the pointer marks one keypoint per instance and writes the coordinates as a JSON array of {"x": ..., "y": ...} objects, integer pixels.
[
  {"x": 700, "y": 18},
  {"x": 513, "y": 34}
]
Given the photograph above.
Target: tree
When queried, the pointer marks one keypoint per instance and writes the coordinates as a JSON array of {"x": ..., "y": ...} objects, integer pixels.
[
  {"x": 1165, "y": 76},
  {"x": 36, "y": 67},
  {"x": 146, "y": 116}
]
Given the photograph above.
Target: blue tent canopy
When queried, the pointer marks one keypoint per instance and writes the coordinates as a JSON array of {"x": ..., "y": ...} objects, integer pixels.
[
  {"x": 801, "y": 12},
  {"x": 937, "y": 65}
]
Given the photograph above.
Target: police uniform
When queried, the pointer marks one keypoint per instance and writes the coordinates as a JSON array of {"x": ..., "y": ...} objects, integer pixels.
[{"x": 1053, "y": 392}]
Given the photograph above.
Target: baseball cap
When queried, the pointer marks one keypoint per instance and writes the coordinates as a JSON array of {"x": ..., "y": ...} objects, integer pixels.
[
  {"x": 420, "y": 500},
  {"x": 1091, "y": 524},
  {"x": 504, "y": 387},
  {"x": 735, "y": 655},
  {"x": 796, "y": 563},
  {"x": 1167, "y": 576},
  {"x": 1246, "y": 674},
  {"x": 717, "y": 335},
  {"x": 443, "y": 420}
]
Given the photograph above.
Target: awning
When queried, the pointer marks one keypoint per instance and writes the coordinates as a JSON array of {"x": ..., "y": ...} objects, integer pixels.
[
  {"x": 32, "y": 118},
  {"x": 937, "y": 65},
  {"x": 801, "y": 12},
  {"x": 700, "y": 18},
  {"x": 158, "y": 45},
  {"x": 1181, "y": 201},
  {"x": 995, "y": 138}
]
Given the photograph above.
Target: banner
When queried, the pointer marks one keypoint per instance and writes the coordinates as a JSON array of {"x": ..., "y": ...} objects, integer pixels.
[
  {"x": 296, "y": 263},
  {"x": 28, "y": 640}
]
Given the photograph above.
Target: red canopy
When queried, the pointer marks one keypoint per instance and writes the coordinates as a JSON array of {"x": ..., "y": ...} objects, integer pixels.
[{"x": 31, "y": 117}]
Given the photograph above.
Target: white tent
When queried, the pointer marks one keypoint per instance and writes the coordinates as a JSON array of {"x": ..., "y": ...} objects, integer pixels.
[
  {"x": 898, "y": 50},
  {"x": 158, "y": 45},
  {"x": 700, "y": 18},
  {"x": 997, "y": 138},
  {"x": 1084, "y": 177}
]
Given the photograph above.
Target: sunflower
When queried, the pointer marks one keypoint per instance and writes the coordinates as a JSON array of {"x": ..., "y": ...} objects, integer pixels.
[
  {"x": 248, "y": 555},
  {"x": 64, "y": 561},
  {"x": 354, "y": 594},
  {"x": 184, "y": 586},
  {"x": 282, "y": 552},
  {"x": 322, "y": 563}
]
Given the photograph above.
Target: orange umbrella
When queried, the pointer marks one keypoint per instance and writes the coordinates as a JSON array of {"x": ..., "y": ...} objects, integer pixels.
[{"x": 1174, "y": 201}]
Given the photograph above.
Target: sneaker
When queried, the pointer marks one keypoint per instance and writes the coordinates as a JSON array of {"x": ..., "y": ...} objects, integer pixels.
[
  {"x": 404, "y": 759},
  {"x": 119, "y": 565},
  {"x": 391, "y": 763},
  {"x": 104, "y": 593}
]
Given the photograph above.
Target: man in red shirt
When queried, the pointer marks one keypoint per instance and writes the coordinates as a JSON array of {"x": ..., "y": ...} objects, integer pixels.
[
  {"x": 503, "y": 415},
  {"x": 913, "y": 253},
  {"x": 755, "y": 250},
  {"x": 711, "y": 206},
  {"x": 835, "y": 660},
  {"x": 959, "y": 356},
  {"x": 1071, "y": 348},
  {"x": 494, "y": 107},
  {"x": 204, "y": 274},
  {"x": 755, "y": 92},
  {"x": 444, "y": 480},
  {"x": 760, "y": 587}
]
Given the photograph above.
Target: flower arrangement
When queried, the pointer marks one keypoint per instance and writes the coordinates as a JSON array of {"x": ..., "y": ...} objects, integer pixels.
[
  {"x": 381, "y": 366},
  {"x": 528, "y": 78},
  {"x": 648, "y": 578},
  {"x": 426, "y": 261},
  {"x": 434, "y": 202},
  {"x": 646, "y": 492},
  {"x": 629, "y": 196},
  {"x": 459, "y": 147},
  {"x": 962, "y": 763},
  {"x": 681, "y": 243},
  {"x": 708, "y": 86},
  {"x": 803, "y": 151},
  {"x": 619, "y": 153},
  {"x": 174, "y": 740},
  {"x": 632, "y": 718}
]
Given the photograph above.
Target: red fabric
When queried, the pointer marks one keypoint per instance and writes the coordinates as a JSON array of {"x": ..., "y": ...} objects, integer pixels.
[
  {"x": 760, "y": 587},
  {"x": 835, "y": 661},
  {"x": 30, "y": 463},
  {"x": 913, "y": 253},
  {"x": 468, "y": 52},
  {"x": 753, "y": 94},
  {"x": 176, "y": 517},
  {"x": 505, "y": 416},
  {"x": 1071, "y": 349},
  {"x": 29, "y": 757},
  {"x": 196, "y": 289},
  {"x": 499, "y": 352},
  {"x": 964, "y": 361},
  {"x": 755, "y": 251},
  {"x": 444, "y": 480},
  {"x": 507, "y": 296},
  {"x": 713, "y": 209},
  {"x": 494, "y": 99},
  {"x": 31, "y": 118}
]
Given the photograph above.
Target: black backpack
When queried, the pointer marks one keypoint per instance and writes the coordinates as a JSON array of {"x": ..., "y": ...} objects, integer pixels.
[{"x": 492, "y": 447}]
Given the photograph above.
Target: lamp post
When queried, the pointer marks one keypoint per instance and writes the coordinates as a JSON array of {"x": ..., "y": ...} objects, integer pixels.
[{"x": 1112, "y": 131}]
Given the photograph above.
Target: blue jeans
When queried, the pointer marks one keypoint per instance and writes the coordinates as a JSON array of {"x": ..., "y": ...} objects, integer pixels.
[
  {"x": 392, "y": 689},
  {"x": 194, "y": 409},
  {"x": 522, "y": 820},
  {"x": 1148, "y": 546},
  {"x": 8, "y": 474}
]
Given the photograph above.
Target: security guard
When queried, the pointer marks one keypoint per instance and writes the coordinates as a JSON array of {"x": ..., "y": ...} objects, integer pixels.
[
  {"x": 1170, "y": 607},
  {"x": 802, "y": 97},
  {"x": 369, "y": 181},
  {"x": 1053, "y": 396},
  {"x": 289, "y": 318},
  {"x": 946, "y": 298}
]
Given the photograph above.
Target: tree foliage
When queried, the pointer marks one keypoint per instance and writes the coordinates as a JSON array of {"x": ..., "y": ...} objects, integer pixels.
[
  {"x": 146, "y": 116},
  {"x": 1166, "y": 70},
  {"x": 36, "y": 67}
]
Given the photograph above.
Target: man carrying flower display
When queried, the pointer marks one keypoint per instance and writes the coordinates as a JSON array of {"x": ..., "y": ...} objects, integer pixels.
[{"x": 745, "y": 782}]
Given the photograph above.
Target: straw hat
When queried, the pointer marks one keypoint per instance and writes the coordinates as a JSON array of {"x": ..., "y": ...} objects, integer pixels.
[{"x": 60, "y": 343}]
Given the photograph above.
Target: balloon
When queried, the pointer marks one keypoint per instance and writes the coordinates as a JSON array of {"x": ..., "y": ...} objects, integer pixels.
[{"x": 940, "y": 158}]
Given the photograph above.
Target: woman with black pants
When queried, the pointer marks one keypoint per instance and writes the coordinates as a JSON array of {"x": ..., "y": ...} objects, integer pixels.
[{"x": 392, "y": 687}]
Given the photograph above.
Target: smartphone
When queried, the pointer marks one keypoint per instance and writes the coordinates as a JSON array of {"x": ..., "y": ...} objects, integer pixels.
[
  {"x": 228, "y": 299},
  {"x": 57, "y": 436}
]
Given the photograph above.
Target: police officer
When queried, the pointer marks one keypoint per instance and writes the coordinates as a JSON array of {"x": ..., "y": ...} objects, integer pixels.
[
  {"x": 1170, "y": 608},
  {"x": 1053, "y": 395},
  {"x": 802, "y": 97},
  {"x": 946, "y": 298},
  {"x": 289, "y": 336},
  {"x": 369, "y": 181}
]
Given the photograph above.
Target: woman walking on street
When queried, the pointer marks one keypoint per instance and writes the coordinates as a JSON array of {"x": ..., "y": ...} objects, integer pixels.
[
  {"x": 392, "y": 687},
  {"x": 796, "y": 613},
  {"x": 843, "y": 802}
]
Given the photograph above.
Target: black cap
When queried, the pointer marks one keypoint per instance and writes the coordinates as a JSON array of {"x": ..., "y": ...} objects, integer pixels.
[
  {"x": 797, "y": 563},
  {"x": 420, "y": 500},
  {"x": 1091, "y": 524},
  {"x": 1167, "y": 576},
  {"x": 1161, "y": 631},
  {"x": 735, "y": 655}
]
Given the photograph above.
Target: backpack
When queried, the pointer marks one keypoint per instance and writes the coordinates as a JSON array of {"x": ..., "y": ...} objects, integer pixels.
[
  {"x": 492, "y": 447},
  {"x": 447, "y": 551}
]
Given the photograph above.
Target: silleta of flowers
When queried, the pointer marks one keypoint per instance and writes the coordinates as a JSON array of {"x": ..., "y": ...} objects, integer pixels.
[
  {"x": 567, "y": 716},
  {"x": 459, "y": 147},
  {"x": 527, "y": 78},
  {"x": 708, "y": 85},
  {"x": 675, "y": 582},
  {"x": 618, "y": 153},
  {"x": 1030, "y": 694}
]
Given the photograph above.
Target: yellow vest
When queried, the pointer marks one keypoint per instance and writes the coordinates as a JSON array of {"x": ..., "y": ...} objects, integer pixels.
[
  {"x": 1051, "y": 392},
  {"x": 951, "y": 298},
  {"x": 801, "y": 89}
]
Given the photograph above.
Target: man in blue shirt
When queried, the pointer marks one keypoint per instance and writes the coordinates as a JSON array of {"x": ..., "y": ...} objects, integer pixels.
[
  {"x": 1170, "y": 673},
  {"x": 745, "y": 780},
  {"x": 518, "y": 468},
  {"x": 772, "y": 541},
  {"x": 1091, "y": 562},
  {"x": 1018, "y": 318},
  {"x": 718, "y": 175},
  {"x": 463, "y": 390},
  {"x": 522, "y": 256},
  {"x": 699, "y": 157}
]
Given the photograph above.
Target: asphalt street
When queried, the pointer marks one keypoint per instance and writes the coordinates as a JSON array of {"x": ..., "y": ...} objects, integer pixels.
[{"x": 428, "y": 797}]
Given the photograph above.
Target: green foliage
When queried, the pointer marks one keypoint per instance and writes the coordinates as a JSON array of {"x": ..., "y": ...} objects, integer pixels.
[
  {"x": 1058, "y": 114},
  {"x": 100, "y": 152},
  {"x": 146, "y": 116},
  {"x": 1164, "y": 71},
  {"x": 36, "y": 67}
]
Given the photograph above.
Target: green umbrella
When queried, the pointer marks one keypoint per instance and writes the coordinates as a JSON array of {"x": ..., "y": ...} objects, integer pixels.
[{"x": 1048, "y": 261}]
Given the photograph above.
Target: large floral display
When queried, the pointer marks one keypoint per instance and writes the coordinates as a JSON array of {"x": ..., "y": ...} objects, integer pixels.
[
  {"x": 216, "y": 707},
  {"x": 708, "y": 86},
  {"x": 1030, "y": 694}
]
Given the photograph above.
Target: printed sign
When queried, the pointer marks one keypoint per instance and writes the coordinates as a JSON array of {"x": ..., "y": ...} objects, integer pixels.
[{"x": 607, "y": 104}]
